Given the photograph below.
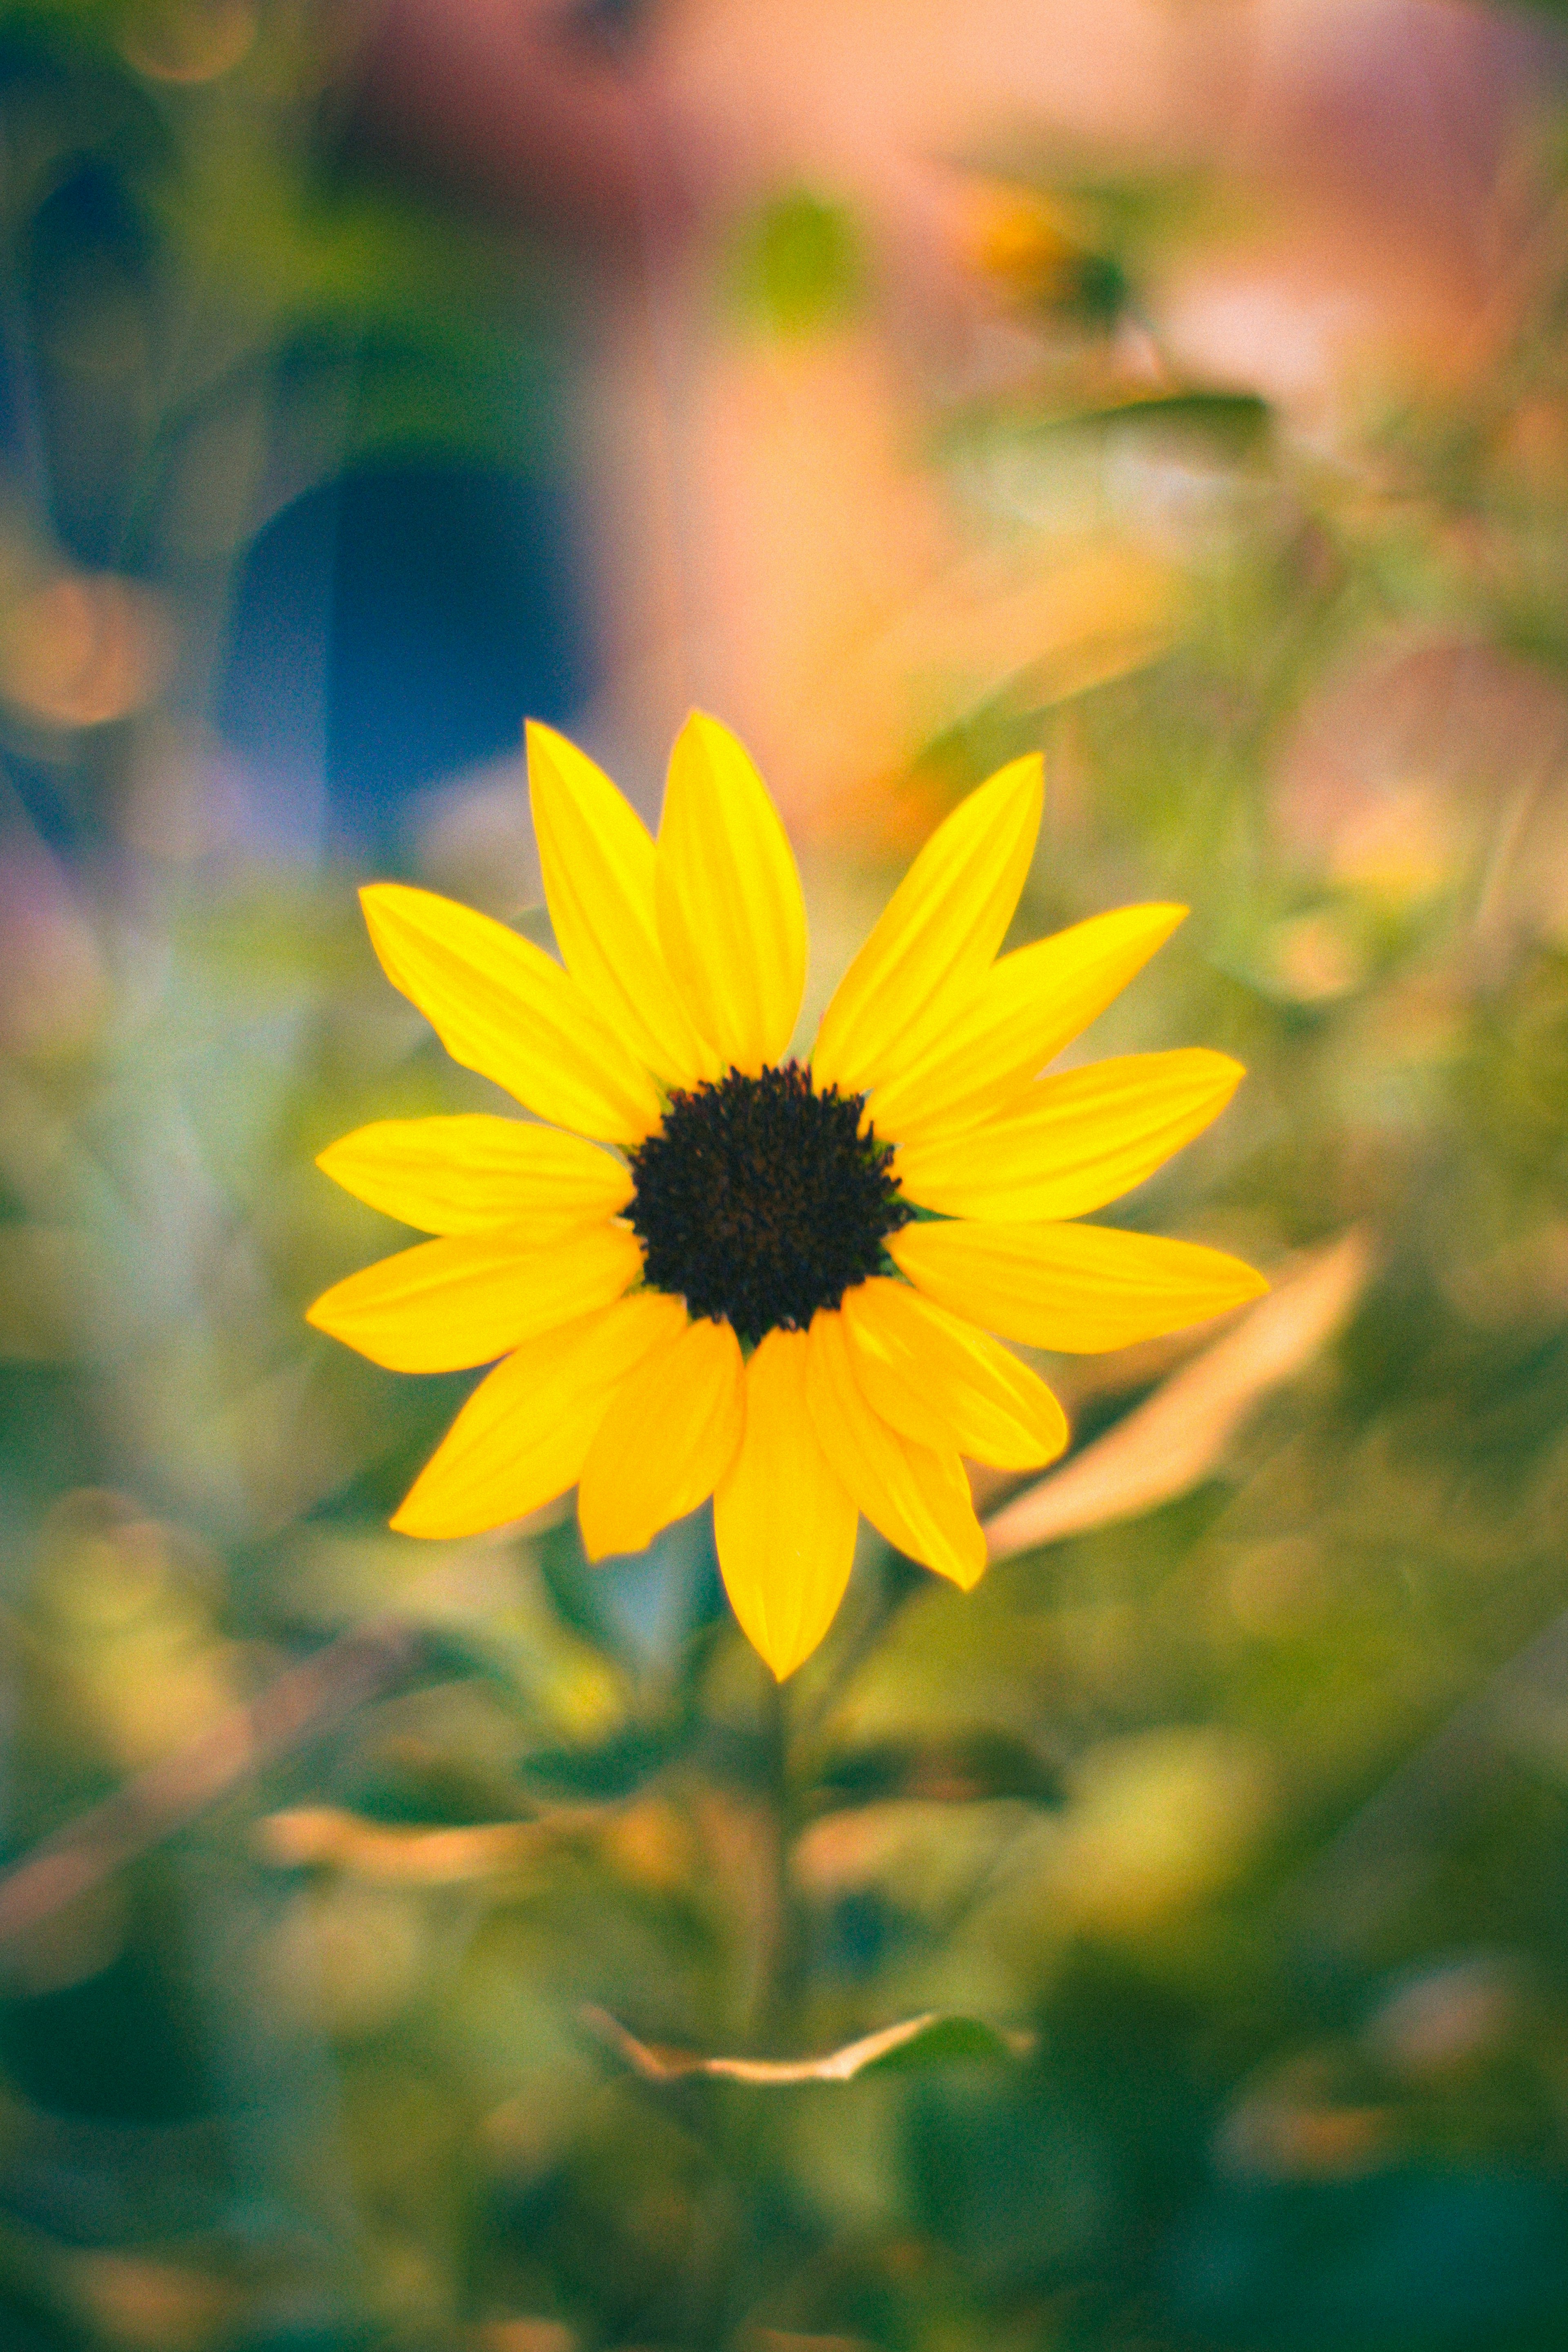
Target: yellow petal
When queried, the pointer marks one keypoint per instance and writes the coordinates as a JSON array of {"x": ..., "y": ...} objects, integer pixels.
[
  {"x": 464, "y": 1300},
  {"x": 1078, "y": 1289},
  {"x": 522, "y": 1436},
  {"x": 731, "y": 920},
  {"x": 597, "y": 857},
  {"x": 1028, "y": 1007},
  {"x": 501, "y": 1006},
  {"x": 916, "y": 1496},
  {"x": 783, "y": 1518},
  {"x": 935, "y": 937},
  {"x": 666, "y": 1441},
  {"x": 470, "y": 1174},
  {"x": 1074, "y": 1142},
  {"x": 944, "y": 1383}
]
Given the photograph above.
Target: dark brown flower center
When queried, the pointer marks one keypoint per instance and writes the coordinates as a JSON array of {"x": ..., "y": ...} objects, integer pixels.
[{"x": 760, "y": 1200}]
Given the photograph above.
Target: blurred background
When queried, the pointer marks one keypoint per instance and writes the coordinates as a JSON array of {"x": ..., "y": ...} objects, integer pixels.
[{"x": 1180, "y": 386}]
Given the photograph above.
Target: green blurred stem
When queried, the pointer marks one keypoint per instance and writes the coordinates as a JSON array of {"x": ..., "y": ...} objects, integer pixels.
[
  {"x": 781, "y": 1976},
  {"x": 791, "y": 1723}
]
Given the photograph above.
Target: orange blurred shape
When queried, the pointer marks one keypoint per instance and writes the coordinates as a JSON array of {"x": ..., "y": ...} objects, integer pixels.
[
  {"x": 1027, "y": 241},
  {"x": 1280, "y": 2140},
  {"x": 1402, "y": 845},
  {"x": 142, "y": 2305},
  {"x": 187, "y": 40},
  {"x": 1315, "y": 957},
  {"x": 651, "y": 1844},
  {"x": 853, "y": 1849},
  {"x": 85, "y": 648},
  {"x": 524, "y": 2336},
  {"x": 1534, "y": 444},
  {"x": 1448, "y": 2019}
]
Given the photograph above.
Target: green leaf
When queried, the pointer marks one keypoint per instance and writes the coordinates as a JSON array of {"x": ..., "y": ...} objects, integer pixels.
[
  {"x": 1239, "y": 417},
  {"x": 611, "y": 1768},
  {"x": 969, "y": 1769}
]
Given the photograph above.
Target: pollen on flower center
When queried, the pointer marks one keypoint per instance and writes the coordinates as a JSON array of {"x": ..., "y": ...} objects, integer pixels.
[{"x": 760, "y": 1200}]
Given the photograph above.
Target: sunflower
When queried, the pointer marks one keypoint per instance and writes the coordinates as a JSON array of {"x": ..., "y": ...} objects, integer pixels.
[{"x": 707, "y": 1269}]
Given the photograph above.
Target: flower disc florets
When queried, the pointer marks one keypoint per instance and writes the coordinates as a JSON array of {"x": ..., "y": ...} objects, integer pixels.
[{"x": 760, "y": 1200}]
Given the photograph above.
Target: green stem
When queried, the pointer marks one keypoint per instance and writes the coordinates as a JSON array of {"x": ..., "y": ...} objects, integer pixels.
[{"x": 782, "y": 1977}]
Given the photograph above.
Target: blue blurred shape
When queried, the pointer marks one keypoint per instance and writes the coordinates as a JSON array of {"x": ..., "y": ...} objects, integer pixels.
[{"x": 390, "y": 630}]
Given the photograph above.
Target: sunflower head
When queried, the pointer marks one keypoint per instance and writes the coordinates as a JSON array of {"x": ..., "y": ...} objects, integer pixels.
[{"x": 703, "y": 1268}]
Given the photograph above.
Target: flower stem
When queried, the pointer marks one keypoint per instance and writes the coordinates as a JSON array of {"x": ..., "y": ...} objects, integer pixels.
[{"x": 781, "y": 1979}]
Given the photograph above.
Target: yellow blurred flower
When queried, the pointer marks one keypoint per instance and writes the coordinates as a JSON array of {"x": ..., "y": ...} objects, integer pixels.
[{"x": 776, "y": 1286}]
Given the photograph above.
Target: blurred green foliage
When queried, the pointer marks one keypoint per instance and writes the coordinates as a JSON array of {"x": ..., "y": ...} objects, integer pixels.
[
  {"x": 1248, "y": 1814},
  {"x": 797, "y": 265}
]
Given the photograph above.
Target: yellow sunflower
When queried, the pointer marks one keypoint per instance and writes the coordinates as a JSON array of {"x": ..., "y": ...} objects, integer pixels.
[{"x": 715, "y": 1271}]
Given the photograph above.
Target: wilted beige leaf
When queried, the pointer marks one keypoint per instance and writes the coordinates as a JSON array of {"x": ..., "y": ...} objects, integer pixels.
[
  {"x": 398, "y": 1854},
  {"x": 641, "y": 1842},
  {"x": 1180, "y": 1434},
  {"x": 914, "y": 2039}
]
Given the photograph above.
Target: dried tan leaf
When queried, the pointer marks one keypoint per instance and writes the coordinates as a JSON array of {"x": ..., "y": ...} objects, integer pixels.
[
  {"x": 642, "y": 1843},
  {"x": 403, "y": 1854},
  {"x": 929, "y": 2037},
  {"x": 396, "y": 1854},
  {"x": 1180, "y": 1434}
]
